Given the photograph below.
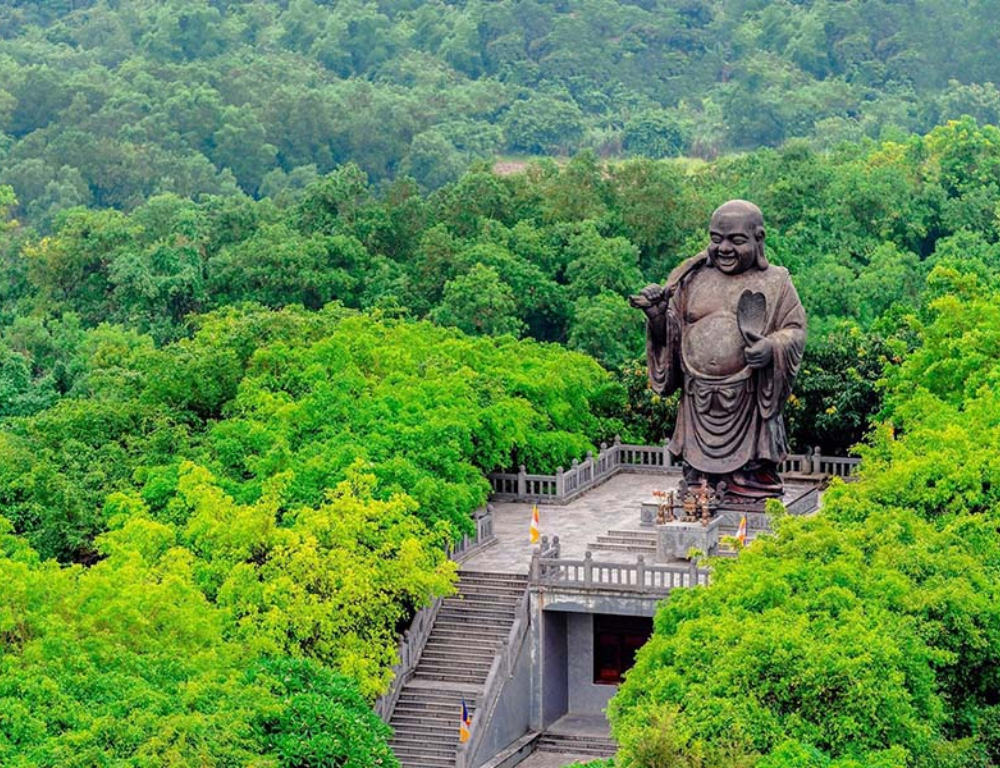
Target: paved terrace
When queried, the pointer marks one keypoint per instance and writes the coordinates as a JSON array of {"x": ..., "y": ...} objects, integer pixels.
[{"x": 611, "y": 506}]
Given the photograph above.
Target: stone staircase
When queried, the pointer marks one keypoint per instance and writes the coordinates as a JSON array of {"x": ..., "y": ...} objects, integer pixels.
[
  {"x": 639, "y": 542},
  {"x": 455, "y": 662},
  {"x": 576, "y": 744}
]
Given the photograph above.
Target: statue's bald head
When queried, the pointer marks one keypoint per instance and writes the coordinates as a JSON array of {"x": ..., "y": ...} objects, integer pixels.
[{"x": 737, "y": 237}]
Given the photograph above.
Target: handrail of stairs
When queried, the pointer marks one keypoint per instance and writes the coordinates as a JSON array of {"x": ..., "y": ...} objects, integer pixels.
[
  {"x": 500, "y": 671},
  {"x": 414, "y": 639},
  {"x": 410, "y": 649}
]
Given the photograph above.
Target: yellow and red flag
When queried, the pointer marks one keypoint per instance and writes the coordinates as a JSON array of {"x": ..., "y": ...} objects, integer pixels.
[
  {"x": 536, "y": 530},
  {"x": 741, "y": 532},
  {"x": 463, "y": 728}
]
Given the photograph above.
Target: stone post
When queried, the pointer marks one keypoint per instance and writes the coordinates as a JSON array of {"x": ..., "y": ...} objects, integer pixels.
[
  {"x": 560, "y": 484},
  {"x": 816, "y": 463},
  {"x": 668, "y": 460},
  {"x": 588, "y": 569},
  {"x": 640, "y": 571},
  {"x": 522, "y": 483}
]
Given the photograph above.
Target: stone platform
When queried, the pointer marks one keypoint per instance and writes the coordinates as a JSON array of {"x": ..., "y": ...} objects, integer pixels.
[{"x": 613, "y": 506}]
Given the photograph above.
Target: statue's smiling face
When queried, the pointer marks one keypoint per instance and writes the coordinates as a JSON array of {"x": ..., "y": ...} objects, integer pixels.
[{"x": 734, "y": 242}]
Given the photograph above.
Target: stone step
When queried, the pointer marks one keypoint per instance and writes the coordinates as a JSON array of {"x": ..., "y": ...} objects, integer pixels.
[
  {"x": 645, "y": 535},
  {"x": 457, "y": 654},
  {"x": 503, "y": 587},
  {"x": 576, "y": 744},
  {"x": 438, "y": 694},
  {"x": 612, "y": 547},
  {"x": 451, "y": 677},
  {"x": 475, "y": 619},
  {"x": 423, "y": 748},
  {"x": 408, "y": 720},
  {"x": 450, "y": 666},
  {"x": 447, "y": 631},
  {"x": 504, "y": 575},
  {"x": 496, "y": 579},
  {"x": 476, "y": 604},
  {"x": 417, "y": 762},
  {"x": 415, "y": 732},
  {"x": 644, "y": 541},
  {"x": 431, "y": 708}
]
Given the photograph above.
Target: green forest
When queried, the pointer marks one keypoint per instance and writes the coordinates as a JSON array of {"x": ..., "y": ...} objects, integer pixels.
[
  {"x": 270, "y": 310},
  {"x": 110, "y": 102}
]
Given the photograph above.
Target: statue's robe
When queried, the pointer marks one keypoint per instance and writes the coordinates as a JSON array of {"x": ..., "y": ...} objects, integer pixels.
[{"x": 729, "y": 414}]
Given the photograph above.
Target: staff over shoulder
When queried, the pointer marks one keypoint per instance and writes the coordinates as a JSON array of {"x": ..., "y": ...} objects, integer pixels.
[{"x": 728, "y": 329}]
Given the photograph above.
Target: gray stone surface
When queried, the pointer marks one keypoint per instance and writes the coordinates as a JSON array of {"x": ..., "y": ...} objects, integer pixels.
[
  {"x": 612, "y": 506},
  {"x": 510, "y": 718},
  {"x": 582, "y": 725},
  {"x": 675, "y": 540},
  {"x": 552, "y": 760},
  {"x": 585, "y": 696}
]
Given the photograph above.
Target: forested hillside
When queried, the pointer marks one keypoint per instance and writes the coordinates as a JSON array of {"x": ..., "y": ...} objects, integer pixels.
[
  {"x": 267, "y": 316},
  {"x": 550, "y": 254},
  {"x": 109, "y": 103}
]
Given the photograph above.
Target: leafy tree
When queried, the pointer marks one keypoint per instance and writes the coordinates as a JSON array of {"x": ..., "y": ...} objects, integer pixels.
[
  {"x": 606, "y": 328},
  {"x": 479, "y": 302},
  {"x": 542, "y": 124}
]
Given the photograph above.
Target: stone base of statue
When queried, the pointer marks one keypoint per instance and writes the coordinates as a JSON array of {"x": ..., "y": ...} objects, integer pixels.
[
  {"x": 675, "y": 540},
  {"x": 797, "y": 499}
]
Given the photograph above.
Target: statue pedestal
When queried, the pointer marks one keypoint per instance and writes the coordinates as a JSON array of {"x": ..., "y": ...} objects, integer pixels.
[{"x": 675, "y": 540}]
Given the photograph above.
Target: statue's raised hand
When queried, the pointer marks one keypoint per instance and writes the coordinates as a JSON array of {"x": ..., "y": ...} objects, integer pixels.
[{"x": 652, "y": 300}]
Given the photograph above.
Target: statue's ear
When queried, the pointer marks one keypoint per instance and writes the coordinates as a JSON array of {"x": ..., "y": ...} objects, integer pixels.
[{"x": 762, "y": 262}]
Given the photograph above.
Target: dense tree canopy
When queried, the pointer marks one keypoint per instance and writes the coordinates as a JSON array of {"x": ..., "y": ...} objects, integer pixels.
[{"x": 109, "y": 103}]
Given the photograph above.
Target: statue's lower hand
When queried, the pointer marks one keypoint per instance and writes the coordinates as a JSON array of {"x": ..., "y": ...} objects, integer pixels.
[{"x": 760, "y": 353}]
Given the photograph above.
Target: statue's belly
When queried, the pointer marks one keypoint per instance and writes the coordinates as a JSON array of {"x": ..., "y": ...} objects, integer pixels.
[{"x": 713, "y": 345}]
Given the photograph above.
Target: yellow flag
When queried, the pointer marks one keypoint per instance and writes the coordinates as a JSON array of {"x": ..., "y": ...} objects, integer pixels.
[
  {"x": 535, "y": 529},
  {"x": 741, "y": 532},
  {"x": 463, "y": 727}
]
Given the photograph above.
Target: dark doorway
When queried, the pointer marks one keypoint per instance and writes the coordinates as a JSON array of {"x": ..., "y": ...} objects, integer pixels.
[{"x": 616, "y": 640}]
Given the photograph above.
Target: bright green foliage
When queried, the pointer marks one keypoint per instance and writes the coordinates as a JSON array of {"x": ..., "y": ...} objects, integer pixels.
[
  {"x": 260, "y": 506},
  {"x": 127, "y": 663},
  {"x": 479, "y": 302},
  {"x": 258, "y": 394},
  {"x": 851, "y": 639}
]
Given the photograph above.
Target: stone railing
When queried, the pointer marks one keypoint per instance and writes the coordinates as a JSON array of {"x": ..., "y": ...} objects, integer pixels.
[
  {"x": 414, "y": 639},
  {"x": 483, "y": 536},
  {"x": 566, "y": 485},
  {"x": 410, "y": 649},
  {"x": 502, "y": 669},
  {"x": 589, "y": 574}
]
